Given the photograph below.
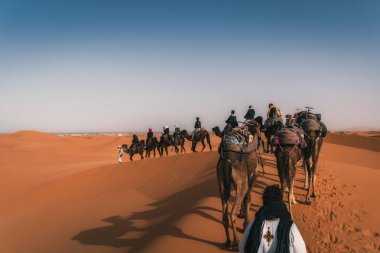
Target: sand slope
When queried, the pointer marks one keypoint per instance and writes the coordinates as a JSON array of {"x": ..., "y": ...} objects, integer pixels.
[{"x": 68, "y": 194}]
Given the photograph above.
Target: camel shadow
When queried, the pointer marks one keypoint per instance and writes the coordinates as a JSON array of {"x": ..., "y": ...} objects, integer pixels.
[{"x": 161, "y": 219}]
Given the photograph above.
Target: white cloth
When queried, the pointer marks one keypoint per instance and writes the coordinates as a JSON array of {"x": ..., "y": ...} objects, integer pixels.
[
  {"x": 297, "y": 244},
  {"x": 120, "y": 155}
]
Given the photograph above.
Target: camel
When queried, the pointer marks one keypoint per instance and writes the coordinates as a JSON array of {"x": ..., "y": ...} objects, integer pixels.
[
  {"x": 179, "y": 140},
  {"x": 199, "y": 136},
  {"x": 314, "y": 140},
  {"x": 237, "y": 169},
  {"x": 135, "y": 149},
  {"x": 255, "y": 129},
  {"x": 314, "y": 144},
  {"x": 287, "y": 158},
  {"x": 151, "y": 145},
  {"x": 165, "y": 142}
]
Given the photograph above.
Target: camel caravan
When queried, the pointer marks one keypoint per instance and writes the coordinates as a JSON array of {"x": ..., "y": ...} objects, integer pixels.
[{"x": 299, "y": 139}]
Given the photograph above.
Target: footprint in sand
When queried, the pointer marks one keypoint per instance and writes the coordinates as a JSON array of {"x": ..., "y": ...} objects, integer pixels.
[{"x": 367, "y": 233}]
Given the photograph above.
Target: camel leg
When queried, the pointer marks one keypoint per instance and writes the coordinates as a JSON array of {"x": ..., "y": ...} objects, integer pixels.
[
  {"x": 193, "y": 146},
  {"x": 166, "y": 151},
  {"x": 290, "y": 193},
  {"x": 142, "y": 155},
  {"x": 203, "y": 145},
  {"x": 247, "y": 199},
  {"x": 208, "y": 141},
  {"x": 281, "y": 172},
  {"x": 309, "y": 180},
  {"x": 268, "y": 143},
  {"x": 292, "y": 177},
  {"x": 224, "y": 191},
  {"x": 306, "y": 170},
  {"x": 241, "y": 190},
  {"x": 131, "y": 157},
  {"x": 314, "y": 167}
]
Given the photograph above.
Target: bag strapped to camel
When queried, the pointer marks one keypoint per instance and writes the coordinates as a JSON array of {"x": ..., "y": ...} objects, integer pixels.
[{"x": 239, "y": 140}]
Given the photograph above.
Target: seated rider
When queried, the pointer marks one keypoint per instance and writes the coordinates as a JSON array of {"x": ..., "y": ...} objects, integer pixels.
[
  {"x": 250, "y": 115},
  {"x": 272, "y": 116},
  {"x": 272, "y": 111},
  {"x": 166, "y": 130},
  {"x": 149, "y": 135},
  {"x": 232, "y": 121},
  {"x": 177, "y": 130},
  {"x": 197, "y": 126},
  {"x": 135, "y": 140}
]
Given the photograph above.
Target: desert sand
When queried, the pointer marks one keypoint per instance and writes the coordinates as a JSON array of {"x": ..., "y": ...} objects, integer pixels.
[{"x": 69, "y": 194}]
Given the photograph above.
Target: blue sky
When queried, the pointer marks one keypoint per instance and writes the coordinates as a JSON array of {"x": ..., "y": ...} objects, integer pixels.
[{"x": 130, "y": 65}]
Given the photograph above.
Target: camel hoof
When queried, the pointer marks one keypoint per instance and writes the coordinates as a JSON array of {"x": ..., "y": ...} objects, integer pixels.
[
  {"x": 241, "y": 216},
  {"x": 235, "y": 246},
  {"x": 313, "y": 195},
  {"x": 305, "y": 187},
  {"x": 228, "y": 244},
  {"x": 294, "y": 202},
  {"x": 308, "y": 202}
]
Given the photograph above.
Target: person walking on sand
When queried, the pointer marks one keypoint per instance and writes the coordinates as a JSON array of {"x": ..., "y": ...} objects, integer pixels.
[
  {"x": 120, "y": 155},
  {"x": 273, "y": 229}
]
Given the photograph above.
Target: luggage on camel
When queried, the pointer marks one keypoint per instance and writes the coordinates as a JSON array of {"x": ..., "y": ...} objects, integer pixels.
[
  {"x": 239, "y": 140},
  {"x": 311, "y": 125},
  {"x": 290, "y": 136}
]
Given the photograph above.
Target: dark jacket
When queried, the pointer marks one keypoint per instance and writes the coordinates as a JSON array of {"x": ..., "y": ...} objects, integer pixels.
[
  {"x": 177, "y": 130},
  {"x": 166, "y": 131},
  {"x": 250, "y": 114},
  {"x": 198, "y": 124},
  {"x": 149, "y": 136},
  {"x": 135, "y": 140},
  {"x": 272, "y": 112},
  {"x": 232, "y": 121}
]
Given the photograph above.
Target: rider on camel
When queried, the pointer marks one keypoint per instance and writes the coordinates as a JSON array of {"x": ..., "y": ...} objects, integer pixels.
[
  {"x": 250, "y": 115},
  {"x": 135, "y": 140},
  {"x": 177, "y": 130},
  {"x": 197, "y": 126}
]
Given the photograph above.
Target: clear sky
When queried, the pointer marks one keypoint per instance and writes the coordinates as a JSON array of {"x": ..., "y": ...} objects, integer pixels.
[{"x": 86, "y": 65}]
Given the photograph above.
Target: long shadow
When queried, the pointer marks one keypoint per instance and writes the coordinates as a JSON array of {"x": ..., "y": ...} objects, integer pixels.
[{"x": 161, "y": 218}]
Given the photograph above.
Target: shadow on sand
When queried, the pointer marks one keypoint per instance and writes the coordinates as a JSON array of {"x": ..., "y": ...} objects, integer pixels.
[
  {"x": 161, "y": 219},
  {"x": 164, "y": 214}
]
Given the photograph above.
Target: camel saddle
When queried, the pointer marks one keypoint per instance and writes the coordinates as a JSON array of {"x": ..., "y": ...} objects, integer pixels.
[
  {"x": 310, "y": 125},
  {"x": 239, "y": 140},
  {"x": 290, "y": 136}
]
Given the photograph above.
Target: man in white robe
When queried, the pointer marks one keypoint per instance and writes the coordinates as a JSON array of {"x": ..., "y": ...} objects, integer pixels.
[{"x": 265, "y": 238}]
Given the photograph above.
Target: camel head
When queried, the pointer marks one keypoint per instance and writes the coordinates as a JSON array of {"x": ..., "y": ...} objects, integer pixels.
[
  {"x": 125, "y": 148},
  {"x": 217, "y": 132}
]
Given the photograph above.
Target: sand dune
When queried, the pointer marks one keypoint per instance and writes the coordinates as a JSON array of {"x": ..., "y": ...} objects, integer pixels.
[
  {"x": 68, "y": 194},
  {"x": 363, "y": 140}
]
